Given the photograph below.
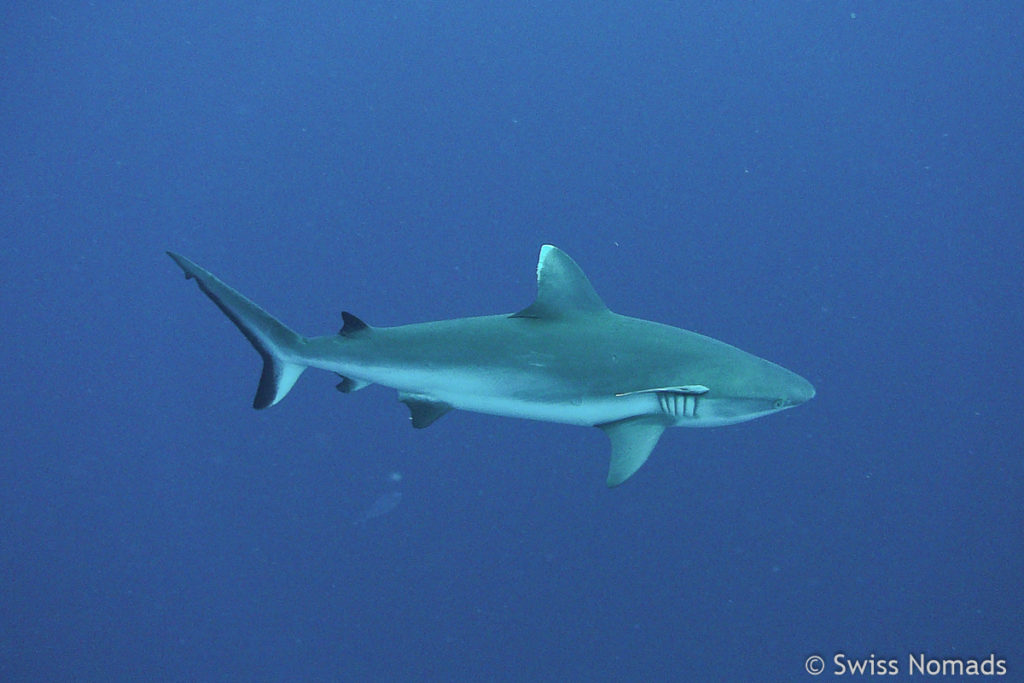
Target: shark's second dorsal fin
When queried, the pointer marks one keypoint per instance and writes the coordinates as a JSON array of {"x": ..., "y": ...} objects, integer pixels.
[
  {"x": 562, "y": 288},
  {"x": 352, "y": 325}
]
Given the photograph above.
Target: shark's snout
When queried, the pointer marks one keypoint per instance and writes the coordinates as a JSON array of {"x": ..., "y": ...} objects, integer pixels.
[{"x": 801, "y": 391}]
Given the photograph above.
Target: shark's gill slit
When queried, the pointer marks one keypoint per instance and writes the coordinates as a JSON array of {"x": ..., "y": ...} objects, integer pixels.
[{"x": 668, "y": 401}]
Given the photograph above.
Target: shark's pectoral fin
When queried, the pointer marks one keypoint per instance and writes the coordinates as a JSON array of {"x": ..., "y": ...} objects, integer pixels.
[
  {"x": 633, "y": 439},
  {"x": 423, "y": 410}
]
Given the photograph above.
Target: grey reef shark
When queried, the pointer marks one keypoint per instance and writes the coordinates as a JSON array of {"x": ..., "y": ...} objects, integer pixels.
[{"x": 564, "y": 358}]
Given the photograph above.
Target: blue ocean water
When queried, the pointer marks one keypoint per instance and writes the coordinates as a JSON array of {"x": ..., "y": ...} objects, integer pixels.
[{"x": 833, "y": 186}]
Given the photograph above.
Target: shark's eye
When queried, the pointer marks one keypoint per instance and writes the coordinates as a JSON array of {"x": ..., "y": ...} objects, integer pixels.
[{"x": 780, "y": 403}]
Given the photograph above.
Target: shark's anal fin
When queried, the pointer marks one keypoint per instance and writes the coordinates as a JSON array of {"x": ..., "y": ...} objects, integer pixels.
[
  {"x": 349, "y": 384},
  {"x": 423, "y": 410},
  {"x": 632, "y": 439}
]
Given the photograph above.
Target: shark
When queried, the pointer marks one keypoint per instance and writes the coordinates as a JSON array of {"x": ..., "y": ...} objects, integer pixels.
[{"x": 565, "y": 358}]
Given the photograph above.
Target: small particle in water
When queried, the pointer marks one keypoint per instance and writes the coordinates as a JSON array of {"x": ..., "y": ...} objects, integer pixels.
[
  {"x": 382, "y": 506},
  {"x": 395, "y": 475}
]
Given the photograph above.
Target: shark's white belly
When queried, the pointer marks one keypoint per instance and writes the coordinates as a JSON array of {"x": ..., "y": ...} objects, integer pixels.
[
  {"x": 582, "y": 411},
  {"x": 535, "y": 395},
  {"x": 524, "y": 395},
  {"x": 592, "y": 411}
]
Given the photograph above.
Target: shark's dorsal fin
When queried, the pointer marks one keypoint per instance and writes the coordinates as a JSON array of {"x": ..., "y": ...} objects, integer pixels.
[
  {"x": 352, "y": 325},
  {"x": 562, "y": 288},
  {"x": 633, "y": 439}
]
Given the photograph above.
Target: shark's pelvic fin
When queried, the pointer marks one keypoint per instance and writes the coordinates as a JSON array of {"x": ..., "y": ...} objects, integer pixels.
[
  {"x": 633, "y": 439},
  {"x": 423, "y": 410},
  {"x": 562, "y": 288},
  {"x": 279, "y": 346}
]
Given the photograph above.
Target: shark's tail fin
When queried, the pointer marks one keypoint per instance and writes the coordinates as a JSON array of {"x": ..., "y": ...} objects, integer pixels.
[{"x": 280, "y": 347}]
